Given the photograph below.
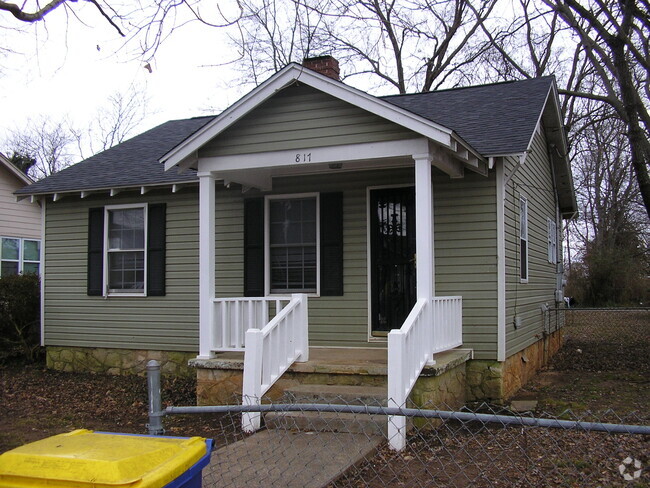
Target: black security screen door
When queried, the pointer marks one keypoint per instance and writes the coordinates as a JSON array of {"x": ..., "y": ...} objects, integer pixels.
[{"x": 392, "y": 257}]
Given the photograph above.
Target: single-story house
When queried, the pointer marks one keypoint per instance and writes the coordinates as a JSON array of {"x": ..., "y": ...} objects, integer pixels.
[
  {"x": 20, "y": 224},
  {"x": 309, "y": 222}
]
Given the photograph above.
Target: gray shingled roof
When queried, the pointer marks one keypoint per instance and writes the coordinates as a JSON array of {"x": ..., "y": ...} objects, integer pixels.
[
  {"x": 131, "y": 163},
  {"x": 494, "y": 119}
]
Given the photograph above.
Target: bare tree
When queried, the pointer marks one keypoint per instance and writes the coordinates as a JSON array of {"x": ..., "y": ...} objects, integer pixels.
[
  {"x": 600, "y": 49},
  {"x": 50, "y": 143},
  {"x": 122, "y": 114},
  {"x": 413, "y": 45},
  {"x": 38, "y": 12},
  {"x": 612, "y": 262},
  {"x": 272, "y": 33}
]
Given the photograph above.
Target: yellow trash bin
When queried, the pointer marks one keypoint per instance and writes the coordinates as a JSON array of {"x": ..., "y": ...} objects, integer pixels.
[{"x": 86, "y": 459}]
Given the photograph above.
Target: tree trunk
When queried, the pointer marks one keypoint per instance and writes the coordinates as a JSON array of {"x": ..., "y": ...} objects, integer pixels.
[{"x": 639, "y": 144}]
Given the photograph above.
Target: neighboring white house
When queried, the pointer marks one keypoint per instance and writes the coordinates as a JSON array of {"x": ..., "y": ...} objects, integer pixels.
[{"x": 20, "y": 224}]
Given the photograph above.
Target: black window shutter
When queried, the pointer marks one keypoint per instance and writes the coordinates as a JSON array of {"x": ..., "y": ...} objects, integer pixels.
[
  {"x": 254, "y": 247},
  {"x": 331, "y": 244},
  {"x": 156, "y": 244},
  {"x": 95, "y": 251}
]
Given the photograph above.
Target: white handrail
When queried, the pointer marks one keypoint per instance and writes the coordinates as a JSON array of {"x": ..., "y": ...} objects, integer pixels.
[
  {"x": 270, "y": 351},
  {"x": 234, "y": 316},
  {"x": 432, "y": 326}
]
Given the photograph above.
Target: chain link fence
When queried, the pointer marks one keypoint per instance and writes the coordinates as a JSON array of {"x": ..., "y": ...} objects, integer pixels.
[
  {"x": 605, "y": 340},
  {"x": 344, "y": 445},
  {"x": 321, "y": 443}
]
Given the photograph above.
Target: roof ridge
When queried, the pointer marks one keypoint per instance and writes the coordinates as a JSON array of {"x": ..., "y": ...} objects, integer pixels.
[{"x": 469, "y": 87}]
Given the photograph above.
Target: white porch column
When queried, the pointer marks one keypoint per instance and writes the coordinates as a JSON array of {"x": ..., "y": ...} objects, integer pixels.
[
  {"x": 206, "y": 263},
  {"x": 425, "y": 272}
]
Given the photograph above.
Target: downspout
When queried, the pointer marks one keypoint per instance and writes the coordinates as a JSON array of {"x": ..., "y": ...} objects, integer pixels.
[
  {"x": 559, "y": 267},
  {"x": 42, "y": 275}
]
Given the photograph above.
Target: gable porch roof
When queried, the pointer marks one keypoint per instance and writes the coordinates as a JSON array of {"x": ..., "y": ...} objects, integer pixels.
[{"x": 185, "y": 155}]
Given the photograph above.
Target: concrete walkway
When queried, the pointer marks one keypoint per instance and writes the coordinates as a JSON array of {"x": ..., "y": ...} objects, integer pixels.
[{"x": 288, "y": 459}]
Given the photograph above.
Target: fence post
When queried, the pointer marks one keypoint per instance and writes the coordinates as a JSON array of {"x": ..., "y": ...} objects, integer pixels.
[
  {"x": 155, "y": 425},
  {"x": 252, "y": 381},
  {"x": 396, "y": 367}
]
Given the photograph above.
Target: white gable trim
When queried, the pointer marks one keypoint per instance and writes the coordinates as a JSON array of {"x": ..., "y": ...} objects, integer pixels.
[{"x": 292, "y": 73}]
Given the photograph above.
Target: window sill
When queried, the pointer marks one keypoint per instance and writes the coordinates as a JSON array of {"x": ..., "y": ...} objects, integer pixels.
[{"x": 127, "y": 295}]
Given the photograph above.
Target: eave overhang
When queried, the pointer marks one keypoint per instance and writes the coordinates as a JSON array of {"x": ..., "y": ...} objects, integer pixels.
[{"x": 550, "y": 119}]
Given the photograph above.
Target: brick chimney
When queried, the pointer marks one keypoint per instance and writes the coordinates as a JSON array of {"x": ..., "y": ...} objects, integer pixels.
[{"x": 325, "y": 65}]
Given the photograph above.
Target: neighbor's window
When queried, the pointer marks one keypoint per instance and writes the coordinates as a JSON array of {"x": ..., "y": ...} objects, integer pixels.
[
  {"x": 523, "y": 239},
  {"x": 19, "y": 255},
  {"x": 552, "y": 241},
  {"x": 125, "y": 258},
  {"x": 292, "y": 244}
]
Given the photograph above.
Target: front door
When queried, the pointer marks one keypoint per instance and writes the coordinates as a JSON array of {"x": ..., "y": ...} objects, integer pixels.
[{"x": 392, "y": 257}]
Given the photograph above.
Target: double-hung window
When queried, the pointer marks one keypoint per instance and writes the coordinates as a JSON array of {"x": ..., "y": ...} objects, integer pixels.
[
  {"x": 552, "y": 241},
  {"x": 523, "y": 239},
  {"x": 125, "y": 237},
  {"x": 18, "y": 255},
  {"x": 292, "y": 244}
]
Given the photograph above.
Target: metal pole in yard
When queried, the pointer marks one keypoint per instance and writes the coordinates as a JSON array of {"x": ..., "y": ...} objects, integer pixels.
[{"x": 155, "y": 424}]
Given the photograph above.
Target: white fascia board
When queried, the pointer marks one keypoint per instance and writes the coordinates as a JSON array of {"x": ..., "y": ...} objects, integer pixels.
[
  {"x": 116, "y": 189},
  {"x": 315, "y": 155},
  {"x": 285, "y": 77},
  {"x": 539, "y": 119}
]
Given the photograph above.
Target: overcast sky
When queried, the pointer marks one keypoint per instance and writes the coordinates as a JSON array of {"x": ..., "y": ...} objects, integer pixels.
[{"x": 67, "y": 70}]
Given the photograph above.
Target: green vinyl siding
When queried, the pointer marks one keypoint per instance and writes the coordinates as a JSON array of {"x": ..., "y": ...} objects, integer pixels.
[
  {"x": 302, "y": 117},
  {"x": 465, "y": 231},
  {"x": 533, "y": 180},
  {"x": 160, "y": 323},
  {"x": 465, "y": 247}
]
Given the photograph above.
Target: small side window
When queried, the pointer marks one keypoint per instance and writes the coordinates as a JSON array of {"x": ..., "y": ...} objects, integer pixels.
[{"x": 523, "y": 239}]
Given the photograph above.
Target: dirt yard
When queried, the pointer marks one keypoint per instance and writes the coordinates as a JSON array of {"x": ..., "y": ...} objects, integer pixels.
[
  {"x": 37, "y": 403},
  {"x": 601, "y": 374}
]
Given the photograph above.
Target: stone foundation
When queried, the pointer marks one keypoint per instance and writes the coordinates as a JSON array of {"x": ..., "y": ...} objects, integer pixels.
[
  {"x": 219, "y": 381},
  {"x": 117, "y": 361},
  {"x": 495, "y": 381}
]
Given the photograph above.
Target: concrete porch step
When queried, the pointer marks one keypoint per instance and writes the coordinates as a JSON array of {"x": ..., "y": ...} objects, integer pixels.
[
  {"x": 348, "y": 423},
  {"x": 330, "y": 421},
  {"x": 336, "y": 394}
]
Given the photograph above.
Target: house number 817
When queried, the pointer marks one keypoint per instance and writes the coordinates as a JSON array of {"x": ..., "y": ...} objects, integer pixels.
[{"x": 303, "y": 158}]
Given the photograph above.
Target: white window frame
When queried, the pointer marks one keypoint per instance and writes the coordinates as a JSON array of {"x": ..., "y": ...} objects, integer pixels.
[
  {"x": 523, "y": 238},
  {"x": 552, "y": 240},
  {"x": 130, "y": 293},
  {"x": 21, "y": 254},
  {"x": 267, "y": 241}
]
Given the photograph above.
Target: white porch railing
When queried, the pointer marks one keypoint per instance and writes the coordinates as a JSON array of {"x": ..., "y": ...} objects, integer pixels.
[
  {"x": 432, "y": 326},
  {"x": 234, "y": 316},
  {"x": 270, "y": 351}
]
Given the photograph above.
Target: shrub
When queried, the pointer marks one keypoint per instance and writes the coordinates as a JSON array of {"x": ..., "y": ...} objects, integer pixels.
[{"x": 20, "y": 315}]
